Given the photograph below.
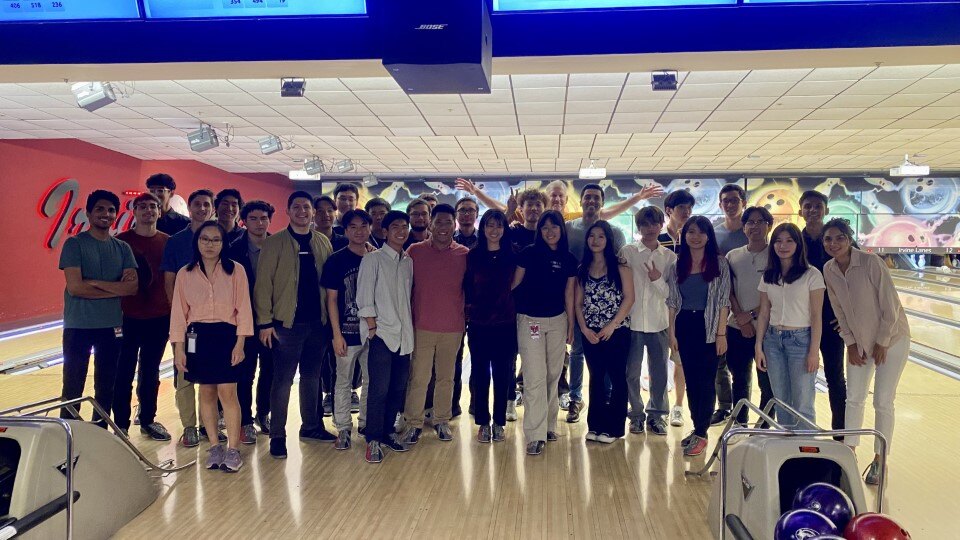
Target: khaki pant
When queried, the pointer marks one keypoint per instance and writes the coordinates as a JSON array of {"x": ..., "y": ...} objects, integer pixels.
[
  {"x": 186, "y": 395},
  {"x": 432, "y": 352},
  {"x": 541, "y": 356}
]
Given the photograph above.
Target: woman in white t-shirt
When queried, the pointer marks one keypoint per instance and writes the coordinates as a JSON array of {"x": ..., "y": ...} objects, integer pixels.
[{"x": 789, "y": 325}]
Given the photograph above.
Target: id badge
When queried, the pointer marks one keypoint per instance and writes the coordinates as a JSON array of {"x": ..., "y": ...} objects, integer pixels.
[
  {"x": 191, "y": 342},
  {"x": 118, "y": 332},
  {"x": 535, "y": 331}
]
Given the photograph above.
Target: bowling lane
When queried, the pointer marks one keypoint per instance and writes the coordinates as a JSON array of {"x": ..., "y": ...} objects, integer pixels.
[
  {"x": 938, "y": 289},
  {"x": 46, "y": 342},
  {"x": 924, "y": 304},
  {"x": 928, "y": 277}
]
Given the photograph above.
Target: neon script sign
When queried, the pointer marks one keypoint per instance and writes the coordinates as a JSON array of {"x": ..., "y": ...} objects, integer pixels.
[{"x": 60, "y": 203}]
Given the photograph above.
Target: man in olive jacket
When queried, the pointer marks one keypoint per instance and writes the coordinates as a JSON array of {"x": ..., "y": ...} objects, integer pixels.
[{"x": 291, "y": 317}]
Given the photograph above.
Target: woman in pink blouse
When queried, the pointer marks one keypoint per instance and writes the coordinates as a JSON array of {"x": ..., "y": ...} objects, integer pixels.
[
  {"x": 210, "y": 318},
  {"x": 874, "y": 327}
]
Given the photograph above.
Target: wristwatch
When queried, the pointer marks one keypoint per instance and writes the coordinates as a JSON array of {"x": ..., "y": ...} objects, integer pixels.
[{"x": 753, "y": 314}]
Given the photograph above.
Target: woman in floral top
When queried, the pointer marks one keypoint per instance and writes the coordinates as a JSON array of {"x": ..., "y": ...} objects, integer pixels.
[{"x": 604, "y": 297}]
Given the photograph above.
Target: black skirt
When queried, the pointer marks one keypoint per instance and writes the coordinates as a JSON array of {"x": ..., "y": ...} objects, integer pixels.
[{"x": 210, "y": 364}]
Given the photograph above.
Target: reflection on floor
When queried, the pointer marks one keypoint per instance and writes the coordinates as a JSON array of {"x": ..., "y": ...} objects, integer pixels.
[{"x": 631, "y": 489}]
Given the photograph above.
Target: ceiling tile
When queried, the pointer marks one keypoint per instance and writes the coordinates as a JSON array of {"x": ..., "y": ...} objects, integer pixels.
[{"x": 540, "y": 94}]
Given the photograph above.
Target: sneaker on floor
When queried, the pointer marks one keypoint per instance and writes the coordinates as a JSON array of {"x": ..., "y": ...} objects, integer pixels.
[
  {"x": 535, "y": 448},
  {"x": 636, "y": 425},
  {"x": 398, "y": 423},
  {"x": 484, "y": 434},
  {"x": 278, "y": 447},
  {"x": 686, "y": 440},
  {"x": 676, "y": 416},
  {"x": 317, "y": 434},
  {"x": 190, "y": 437},
  {"x": 215, "y": 457},
  {"x": 343, "y": 440},
  {"x": 519, "y": 399},
  {"x": 591, "y": 436},
  {"x": 606, "y": 438},
  {"x": 328, "y": 405},
  {"x": 394, "y": 444},
  {"x": 374, "y": 453},
  {"x": 354, "y": 402},
  {"x": 872, "y": 475},
  {"x": 696, "y": 447},
  {"x": 552, "y": 436},
  {"x": 719, "y": 417},
  {"x": 248, "y": 434},
  {"x": 221, "y": 421},
  {"x": 657, "y": 426},
  {"x": 512, "y": 411},
  {"x": 498, "y": 433},
  {"x": 136, "y": 416},
  {"x": 221, "y": 436},
  {"x": 232, "y": 462},
  {"x": 155, "y": 431},
  {"x": 565, "y": 401},
  {"x": 411, "y": 436},
  {"x": 124, "y": 431},
  {"x": 573, "y": 411},
  {"x": 361, "y": 430},
  {"x": 443, "y": 432},
  {"x": 263, "y": 422}
]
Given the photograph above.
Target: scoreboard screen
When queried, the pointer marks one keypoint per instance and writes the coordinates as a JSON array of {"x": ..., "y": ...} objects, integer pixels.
[
  {"x": 67, "y": 10},
  {"x": 202, "y": 9},
  {"x": 557, "y": 5}
]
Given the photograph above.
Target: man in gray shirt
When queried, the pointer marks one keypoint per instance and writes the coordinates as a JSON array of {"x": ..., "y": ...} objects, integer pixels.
[{"x": 99, "y": 269}]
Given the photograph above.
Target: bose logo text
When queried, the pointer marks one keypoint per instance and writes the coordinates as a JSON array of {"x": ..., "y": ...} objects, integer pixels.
[{"x": 431, "y": 27}]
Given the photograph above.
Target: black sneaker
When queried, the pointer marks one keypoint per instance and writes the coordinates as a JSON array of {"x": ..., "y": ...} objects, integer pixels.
[
  {"x": 278, "y": 447},
  {"x": 263, "y": 422},
  {"x": 535, "y": 448},
  {"x": 328, "y": 405},
  {"x": 636, "y": 426},
  {"x": 155, "y": 431},
  {"x": 573, "y": 411},
  {"x": 362, "y": 430},
  {"x": 552, "y": 436},
  {"x": 393, "y": 444},
  {"x": 318, "y": 434},
  {"x": 354, "y": 402},
  {"x": 657, "y": 426},
  {"x": 221, "y": 436},
  {"x": 719, "y": 416}
]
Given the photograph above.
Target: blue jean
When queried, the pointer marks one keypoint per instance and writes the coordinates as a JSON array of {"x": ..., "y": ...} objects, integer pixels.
[
  {"x": 786, "y": 352},
  {"x": 657, "y": 349},
  {"x": 576, "y": 365}
]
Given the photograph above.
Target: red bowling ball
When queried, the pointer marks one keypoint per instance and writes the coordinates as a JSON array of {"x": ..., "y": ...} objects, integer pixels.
[{"x": 873, "y": 526}]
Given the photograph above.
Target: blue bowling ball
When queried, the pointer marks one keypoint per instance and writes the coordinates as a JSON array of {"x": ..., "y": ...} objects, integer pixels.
[
  {"x": 827, "y": 499},
  {"x": 803, "y": 524}
]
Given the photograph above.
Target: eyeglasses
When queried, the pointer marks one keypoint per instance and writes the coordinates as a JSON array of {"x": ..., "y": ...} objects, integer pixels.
[
  {"x": 159, "y": 191},
  {"x": 755, "y": 222},
  {"x": 211, "y": 241},
  {"x": 466, "y": 211}
]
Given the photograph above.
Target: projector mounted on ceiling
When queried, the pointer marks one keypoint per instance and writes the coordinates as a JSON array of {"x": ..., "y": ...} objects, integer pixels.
[
  {"x": 313, "y": 165},
  {"x": 592, "y": 172},
  {"x": 203, "y": 139},
  {"x": 909, "y": 169}
]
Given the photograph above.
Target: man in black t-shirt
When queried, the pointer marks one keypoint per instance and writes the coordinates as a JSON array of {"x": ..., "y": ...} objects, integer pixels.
[
  {"x": 340, "y": 280},
  {"x": 531, "y": 202},
  {"x": 163, "y": 186}
]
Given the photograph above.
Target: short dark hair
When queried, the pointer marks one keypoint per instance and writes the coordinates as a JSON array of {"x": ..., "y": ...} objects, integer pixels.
[
  {"x": 349, "y": 216},
  {"x": 764, "y": 214},
  {"x": 443, "y": 208},
  {"x": 263, "y": 206},
  {"x": 394, "y": 215},
  {"x": 375, "y": 202},
  {"x": 163, "y": 180},
  {"x": 146, "y": 197},
  {"x": 462, "y": 200},
  {"x": 678, "y": 197},
  {"x": 102, "y": 195},
  {"x": 299, "y": 195},
  {"x": 429, "y": 197},
  {"x": 592, "y": 186},
  {"x": 200, "y": 193},
  {"x": 417, "y": 202},
  {"x": 323, "y": 198},
  {"x": 734, "y": 187},
  {"x": 814, "y": 194},
  {"x": 649, "y": 215},
  {"x": 229, "y": 192},
  {"x": 197, "y": 260},
  {"x": 345, "y": 186},
  {"x": 531, "y": 194}
]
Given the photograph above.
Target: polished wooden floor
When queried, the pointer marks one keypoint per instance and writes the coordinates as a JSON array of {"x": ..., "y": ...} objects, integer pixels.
[{"x": 635, "y": 488}]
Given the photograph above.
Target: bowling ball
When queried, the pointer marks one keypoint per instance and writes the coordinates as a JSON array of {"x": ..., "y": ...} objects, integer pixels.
[
  {"x": 827, "y": 537},
  {"x": 873, "y": 526},
  {"x": 803, "y": 524},
  {"x": 827, "y": 499}
]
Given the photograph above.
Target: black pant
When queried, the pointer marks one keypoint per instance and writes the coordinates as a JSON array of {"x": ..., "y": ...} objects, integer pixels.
[
  {"x": 607, "y": 360},
  {"x": 699, "y": 360},
  {"x": 77, "y": 343},
  {"x": 492, "y": 349},
  {"x": 739, "y": 358},
  {"x": 301, "y": 346},
  {"x": 388, "y": 372},
  {"x": 144, "y": 341},
  {"x": 254, "y": 350},
  {"x": 832, "y": 351},
  {"x": 725, "y": 391}
]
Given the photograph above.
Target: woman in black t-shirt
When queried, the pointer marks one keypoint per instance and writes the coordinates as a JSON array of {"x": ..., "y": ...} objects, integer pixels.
[{"x": 543, "y": 292}]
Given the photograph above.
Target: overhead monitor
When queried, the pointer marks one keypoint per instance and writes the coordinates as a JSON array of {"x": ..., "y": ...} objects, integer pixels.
[
  {"x": 193, "y": 9},
  {"x": 67, "y": 10},
  {"x": 555, "y": 5}
]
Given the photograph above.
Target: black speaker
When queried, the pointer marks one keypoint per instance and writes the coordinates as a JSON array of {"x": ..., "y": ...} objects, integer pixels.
[{"x": 438, "y": 46}]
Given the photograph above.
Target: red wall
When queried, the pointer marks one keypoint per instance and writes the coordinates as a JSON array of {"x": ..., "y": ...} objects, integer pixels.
[{"x": 31, "y": 288}]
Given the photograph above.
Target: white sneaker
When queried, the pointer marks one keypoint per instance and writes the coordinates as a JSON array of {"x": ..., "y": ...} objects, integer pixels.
[
  {"x": 512, "y": 411},
  {"x": 676, "y": 416}
]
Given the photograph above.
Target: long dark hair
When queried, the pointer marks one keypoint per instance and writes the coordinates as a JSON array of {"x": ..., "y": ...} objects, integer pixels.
[
  {"x": 774, "y": 272},
  {"x": 492, "y": 215},
  {"x": 197, "y": 260},
  {"x": 710, "y": 266},
  {"x": 609, "y": 256},
  {"x": 842, "y": 225},
  {"x": 557, "y": 219}
]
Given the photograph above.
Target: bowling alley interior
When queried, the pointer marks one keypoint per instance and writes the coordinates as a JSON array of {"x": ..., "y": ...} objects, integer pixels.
[{"x": 812, "y": 147}]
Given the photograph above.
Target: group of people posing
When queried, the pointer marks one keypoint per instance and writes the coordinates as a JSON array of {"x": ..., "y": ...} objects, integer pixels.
[{"x": 373, "y": 308}]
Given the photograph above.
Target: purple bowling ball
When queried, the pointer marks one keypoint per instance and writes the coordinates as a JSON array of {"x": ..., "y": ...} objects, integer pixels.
[
  {"x": 827, "y": 499},
  {"x": 803, "y": 524}
]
